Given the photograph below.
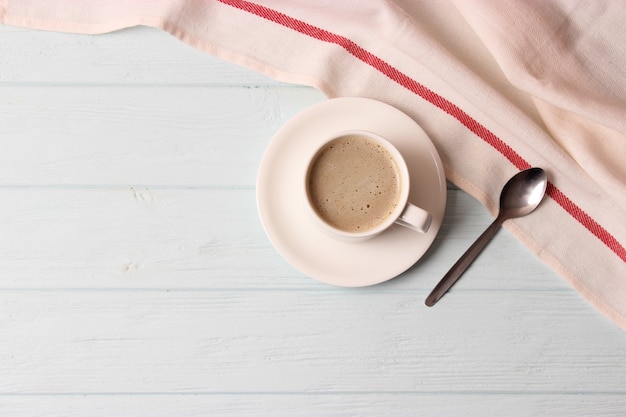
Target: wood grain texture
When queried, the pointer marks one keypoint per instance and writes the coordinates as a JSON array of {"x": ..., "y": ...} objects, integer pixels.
[
  {"x": 129, "y": 57},
  {"x": 315, "y": 404},
  {"x": 301, "y": 341},
  {"x": 136, "y": 279},
  {"x": 139, "y": 237},
  {"x": 88, "y": 135}
]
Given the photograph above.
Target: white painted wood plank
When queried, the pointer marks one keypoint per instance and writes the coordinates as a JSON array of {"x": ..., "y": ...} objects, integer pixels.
[
  {"x": 116, "y": 135},
  {"x": 304, "y": 342},
  {"x": 209, "y": 238},
  {"x": 317, "y": 404},
  {"x": 139, "y": 55}
]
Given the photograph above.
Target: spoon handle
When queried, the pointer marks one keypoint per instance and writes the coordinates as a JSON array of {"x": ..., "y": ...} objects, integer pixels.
[{"x": 464, "y": 261}]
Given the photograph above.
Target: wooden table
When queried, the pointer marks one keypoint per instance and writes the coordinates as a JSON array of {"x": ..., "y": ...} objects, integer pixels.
[{"x": 136, "y": 278}]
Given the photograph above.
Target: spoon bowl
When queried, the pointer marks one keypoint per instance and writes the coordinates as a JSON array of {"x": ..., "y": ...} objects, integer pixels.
[
  {"x": 519, "y": 197},
  {"x": 523, "y": 193}
]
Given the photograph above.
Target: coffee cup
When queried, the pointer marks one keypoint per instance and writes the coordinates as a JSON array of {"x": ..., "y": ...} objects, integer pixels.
[{"x": 356, "y": 186}]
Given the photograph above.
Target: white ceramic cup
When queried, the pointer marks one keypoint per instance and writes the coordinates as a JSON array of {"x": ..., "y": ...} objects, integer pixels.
[{"x": 402, "y": 212}]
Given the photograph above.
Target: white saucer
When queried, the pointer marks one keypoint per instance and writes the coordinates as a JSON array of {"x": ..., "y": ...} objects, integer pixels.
[{"x": 287, "y": 222}]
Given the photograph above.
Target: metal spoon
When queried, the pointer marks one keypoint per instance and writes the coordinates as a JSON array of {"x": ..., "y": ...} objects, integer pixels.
[{"x": 520, "y": 196}]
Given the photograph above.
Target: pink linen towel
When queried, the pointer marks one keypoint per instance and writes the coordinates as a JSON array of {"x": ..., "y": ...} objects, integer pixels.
[{"x": 498, "y": 86}]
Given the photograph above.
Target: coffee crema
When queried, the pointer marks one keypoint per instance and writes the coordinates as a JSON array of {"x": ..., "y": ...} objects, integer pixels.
[{"x": 354, "y": 184}]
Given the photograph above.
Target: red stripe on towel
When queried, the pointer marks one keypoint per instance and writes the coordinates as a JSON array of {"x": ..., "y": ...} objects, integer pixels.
[
  {"x": 587, "y": 221},
  {"x": 453, "y": 110}
]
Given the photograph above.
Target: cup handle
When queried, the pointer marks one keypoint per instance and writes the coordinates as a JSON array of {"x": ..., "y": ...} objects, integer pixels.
[{"x": 415, "y": 218}]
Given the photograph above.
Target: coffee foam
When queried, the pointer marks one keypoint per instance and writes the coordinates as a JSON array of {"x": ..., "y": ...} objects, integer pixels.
[{"x": 354, "y": 184}]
